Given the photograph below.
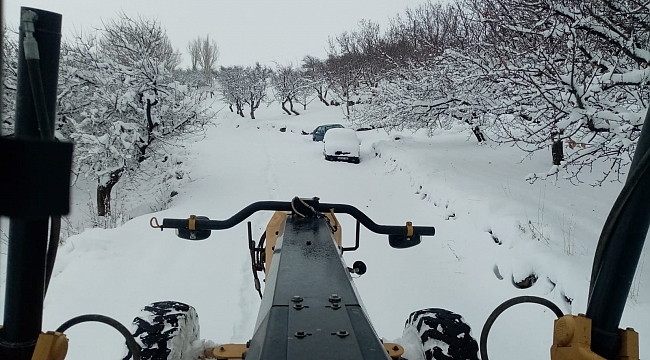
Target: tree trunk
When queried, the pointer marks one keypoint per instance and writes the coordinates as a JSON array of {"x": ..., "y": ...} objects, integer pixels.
[
  {"x": 103, "y": 200},
  {"x": 557, "y": 150},
  {"x": 150, "y": 127},
  {"x": 252, "y": 111},
  {"x": 240, "y": 111},
  {"x": 347, "y": 105},
  {"x": 284, "y": 108},
  {"x": 230, "y": 107},
  {"x": 478, "y": 133},
  {"x": 319, "y": 92},
  {"x": 291, "y": 107},
  {"x": 104, "y": 193}
]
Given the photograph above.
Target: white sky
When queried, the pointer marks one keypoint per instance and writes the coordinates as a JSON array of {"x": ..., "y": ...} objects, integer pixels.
[{"x": 246, "y": 31}]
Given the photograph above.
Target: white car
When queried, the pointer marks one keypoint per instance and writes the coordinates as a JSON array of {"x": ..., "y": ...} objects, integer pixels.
[{"x": 341, "y": 145}]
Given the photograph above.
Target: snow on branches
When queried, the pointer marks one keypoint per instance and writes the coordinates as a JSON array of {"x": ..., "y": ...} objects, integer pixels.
[
  {"x": 575, "y": 73},
  {"x": 570, "y": 76},
  {"x": 121, "y": 105},
  {"x": 288, "y": 86},
  {"x": 244, "y": 86}
]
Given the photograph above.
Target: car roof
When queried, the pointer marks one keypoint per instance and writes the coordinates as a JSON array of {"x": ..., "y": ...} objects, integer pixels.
[
  {"x": 329, "y": 125},
  {"x": 340, "y": 133}
]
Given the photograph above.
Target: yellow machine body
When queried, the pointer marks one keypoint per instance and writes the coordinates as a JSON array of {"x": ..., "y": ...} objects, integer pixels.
[
  {"x": 51, "y": 346},
  {"x": 572, "y": 340}
]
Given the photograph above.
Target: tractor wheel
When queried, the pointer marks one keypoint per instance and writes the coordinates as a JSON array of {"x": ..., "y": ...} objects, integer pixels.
[
  {"x": 167, "y": 330},
  {"x": 443, "y": 335}
]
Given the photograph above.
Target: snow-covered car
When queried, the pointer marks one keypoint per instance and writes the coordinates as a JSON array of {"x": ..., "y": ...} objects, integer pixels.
[
  {"x": 341, "y": 145},
  {"x": 319, "y": 132}
]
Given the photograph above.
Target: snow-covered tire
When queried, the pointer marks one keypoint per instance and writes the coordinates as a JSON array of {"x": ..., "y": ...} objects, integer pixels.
[
  {"x": 443, "y": 335},
  {"x": 167, "y": 330}
]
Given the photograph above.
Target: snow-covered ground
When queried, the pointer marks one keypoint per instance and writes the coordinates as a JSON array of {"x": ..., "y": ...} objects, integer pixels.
[{"x": 492, "y": 228}]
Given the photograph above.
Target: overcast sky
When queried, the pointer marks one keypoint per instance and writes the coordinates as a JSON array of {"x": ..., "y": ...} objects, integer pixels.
[{"x": 246, "y": 31}]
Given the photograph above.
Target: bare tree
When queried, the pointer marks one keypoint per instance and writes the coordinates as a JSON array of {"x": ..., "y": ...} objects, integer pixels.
[
  {"x": 209, "y": 53},
  {"x": 288, "y": 84},
  {"x": 173, "y": 56},
  {"x": 233, "y": 87},
  {"x": 132, "y": 40},
  {"x": 244, "y": 86},
  {"x": 256, "y": 80},
  {"x": 194, "y": 49},
  {"x": 313, "y": 70}
]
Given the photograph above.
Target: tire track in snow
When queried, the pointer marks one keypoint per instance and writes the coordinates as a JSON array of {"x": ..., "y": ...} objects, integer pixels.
[
  {"x": 248, "y": 307},
  {"x": 240, "y": 330},
  {"x": 269, "y": 175}
]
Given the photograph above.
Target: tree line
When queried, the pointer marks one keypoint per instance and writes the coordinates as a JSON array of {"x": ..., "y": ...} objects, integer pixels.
[
  {"x": 570, "y": 77},
  {"x": 567, "y": 76}
]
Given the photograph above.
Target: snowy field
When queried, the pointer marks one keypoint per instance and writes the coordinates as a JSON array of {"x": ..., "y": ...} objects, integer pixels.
[{"x": 492, "y": 229}]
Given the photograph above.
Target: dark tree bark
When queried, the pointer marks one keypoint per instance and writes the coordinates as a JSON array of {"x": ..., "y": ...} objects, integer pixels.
[
  {"x": 321, "y": 96},
  {"x": 104, "y": 193},
  {"x": 150, "y": 127},
  {"x": 557, "y": 150},
  {"x": 284, "y": 108},
  {"x": 254, "y": 106},
  {"x": 478, "y": 133},
  {"x": 291, "y": 107},
  {"x": 240, "y": 110},
  {"x": 230, "y": 107},
  {"x": 104, "y": 190}
]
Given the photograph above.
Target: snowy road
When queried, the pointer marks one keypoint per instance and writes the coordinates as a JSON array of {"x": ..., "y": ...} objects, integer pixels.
[{"x": 116, "y": 272}]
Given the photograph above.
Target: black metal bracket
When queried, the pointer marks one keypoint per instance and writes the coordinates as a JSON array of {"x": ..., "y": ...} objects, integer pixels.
[{"x": 356, "y": 241}]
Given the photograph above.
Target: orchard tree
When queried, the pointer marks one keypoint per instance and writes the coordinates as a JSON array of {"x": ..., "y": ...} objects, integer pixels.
[
  {"x": 578, "y": 75},
  {"x": 244, "y": 86},
  {"x": 121, "y": 106},
  {"x": 342, "y": 76},
  {"x": 426, "y": 98},
  {"x": 425, "y": 32},
  {"x": 138, "y": 41},
  {"x": 313, "y": 71},
  {"x": 232, "y": 84},
  {"x": 288, "y": 86},
  {"x": 305, "y": 92},
  {"x": 256, "y": 81}
]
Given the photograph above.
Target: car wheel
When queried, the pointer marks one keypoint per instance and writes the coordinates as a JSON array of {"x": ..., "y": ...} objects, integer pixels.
[{"x": 355, "y": 160}]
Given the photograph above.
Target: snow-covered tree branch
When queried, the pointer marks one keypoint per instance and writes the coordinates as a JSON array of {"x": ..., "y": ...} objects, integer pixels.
[{"x": 120, "y": 104}]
